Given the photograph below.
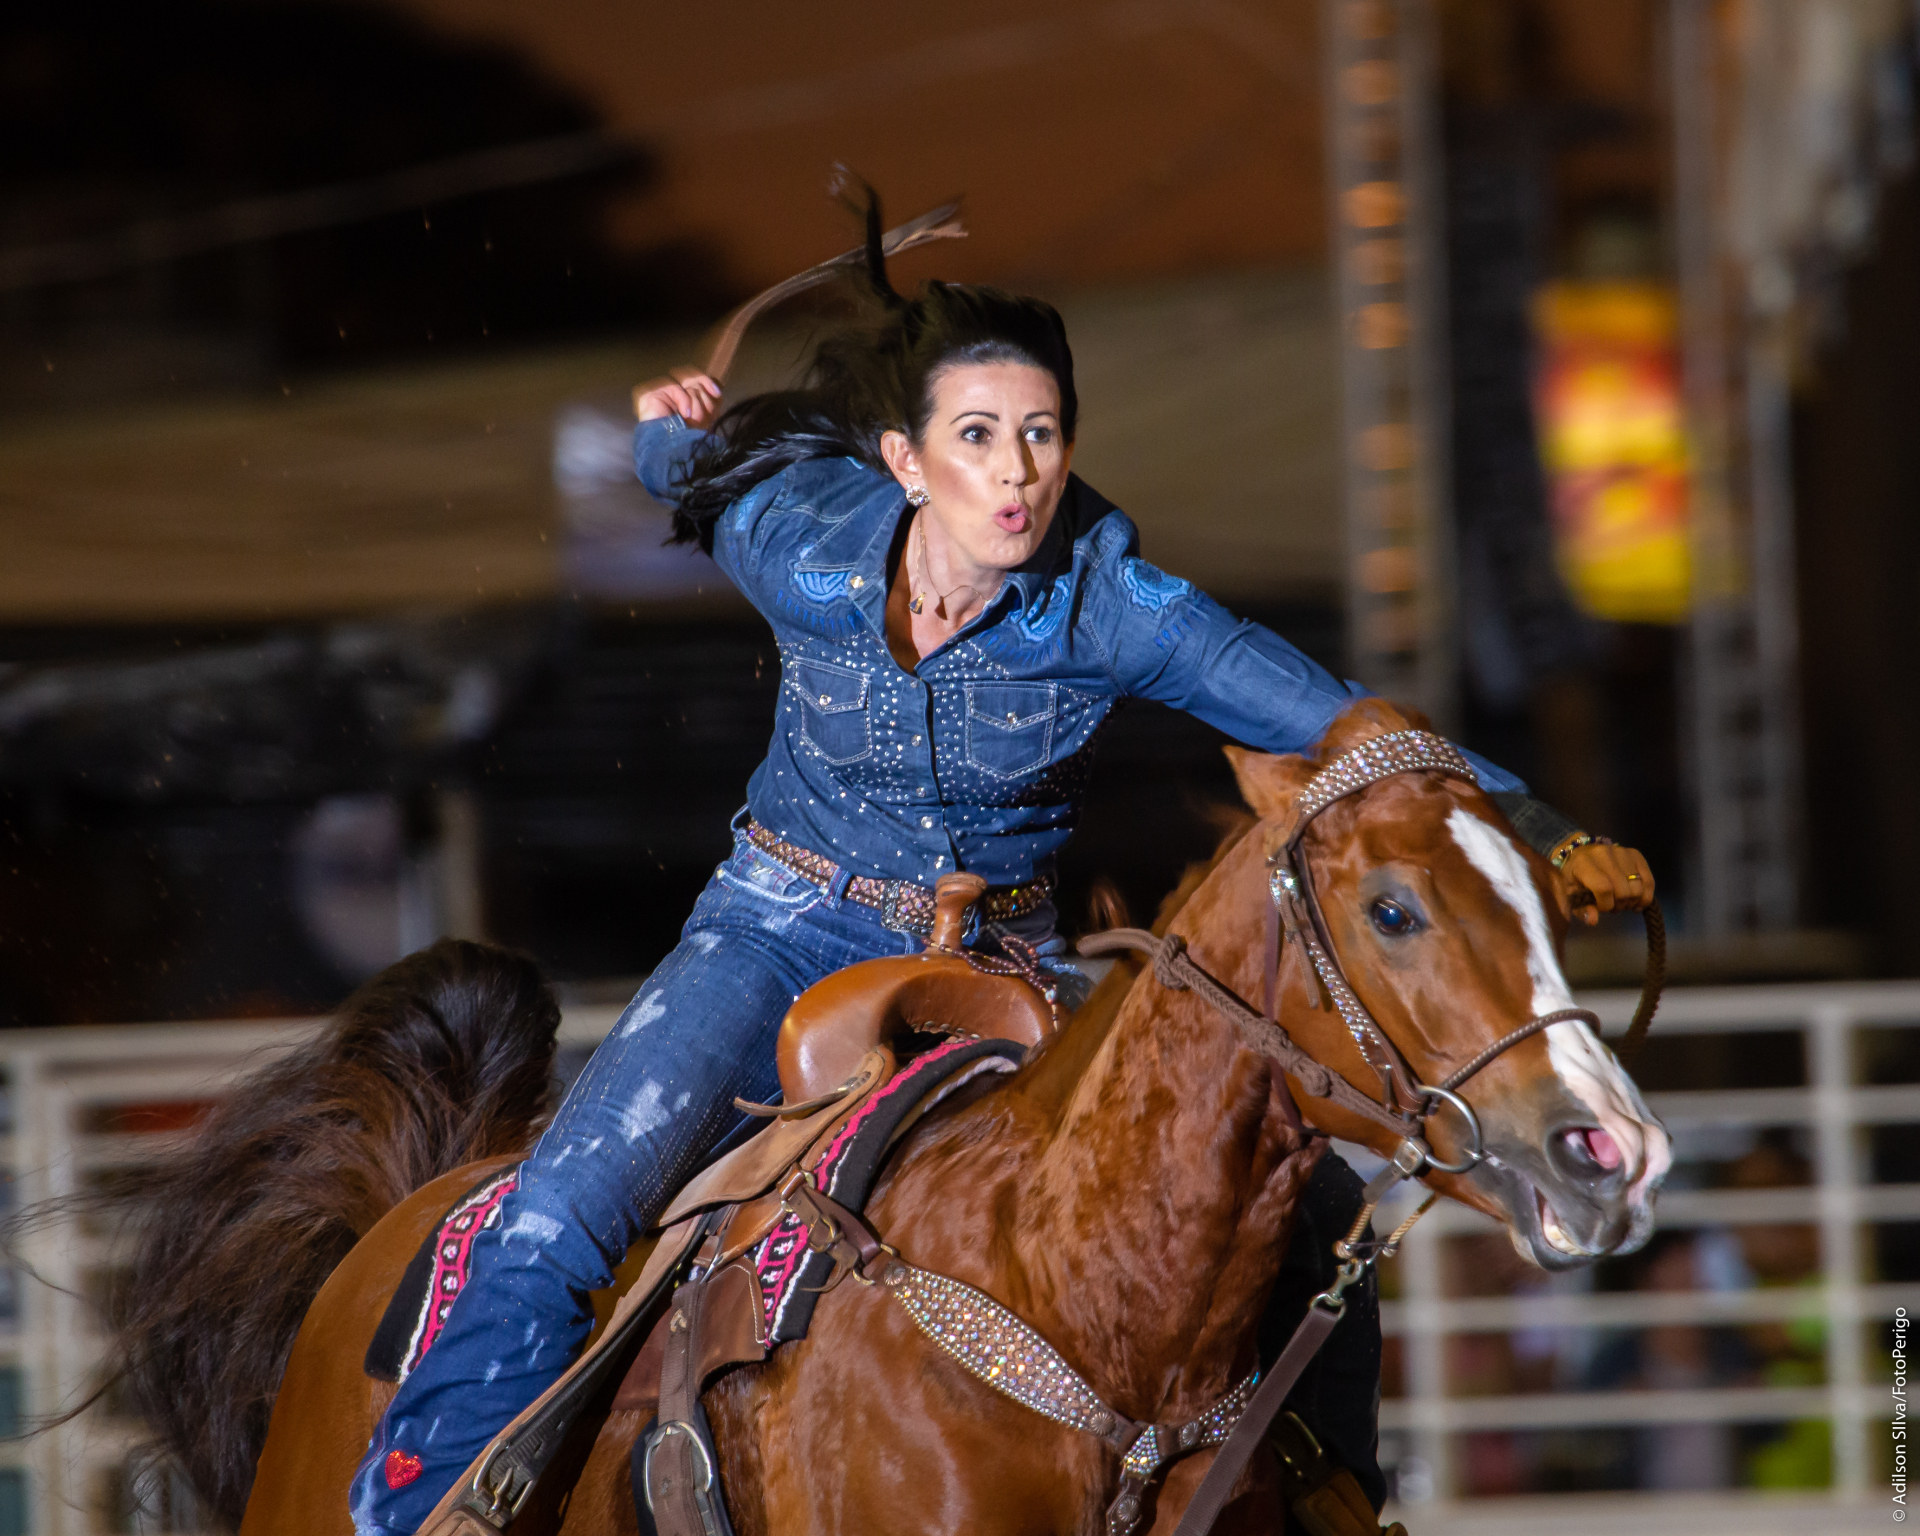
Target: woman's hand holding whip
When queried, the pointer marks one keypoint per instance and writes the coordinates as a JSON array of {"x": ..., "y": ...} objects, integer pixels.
[{"x": 689, "y": 393}]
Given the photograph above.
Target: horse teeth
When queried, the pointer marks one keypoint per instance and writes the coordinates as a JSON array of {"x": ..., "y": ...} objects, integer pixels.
[{"x": 1557, "y": 1234}]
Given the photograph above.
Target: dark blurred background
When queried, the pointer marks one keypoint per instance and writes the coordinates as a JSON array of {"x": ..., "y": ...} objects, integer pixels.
[{"x": 331, "y": 619}]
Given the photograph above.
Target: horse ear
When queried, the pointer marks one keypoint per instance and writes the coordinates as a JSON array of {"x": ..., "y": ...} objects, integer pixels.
[{"x": 1267, "y": 783}]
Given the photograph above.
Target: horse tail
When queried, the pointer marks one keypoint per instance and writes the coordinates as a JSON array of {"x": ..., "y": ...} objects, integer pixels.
[{"x": 442, "y": 1059}]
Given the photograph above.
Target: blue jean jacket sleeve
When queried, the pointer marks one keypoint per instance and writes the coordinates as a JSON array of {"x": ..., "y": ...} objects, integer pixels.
[
  {"x": 1171, "y": 642},
  {"x": 1494, "y": 779},
  {"x": 661, "y": 450}
]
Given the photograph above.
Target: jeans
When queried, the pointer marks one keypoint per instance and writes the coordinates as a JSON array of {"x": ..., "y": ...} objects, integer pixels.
[{"x": 654, "y": 1101}]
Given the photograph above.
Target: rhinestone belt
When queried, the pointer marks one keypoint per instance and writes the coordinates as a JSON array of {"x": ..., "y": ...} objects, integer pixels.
[{"x": 902, "y": 904}]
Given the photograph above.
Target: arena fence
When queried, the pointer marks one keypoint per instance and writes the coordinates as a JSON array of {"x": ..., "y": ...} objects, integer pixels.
[
  {"x": 84, "y": 1103},
  {"x": 80, "y": 1105},
  {"x": 1843, "y": 1030}
]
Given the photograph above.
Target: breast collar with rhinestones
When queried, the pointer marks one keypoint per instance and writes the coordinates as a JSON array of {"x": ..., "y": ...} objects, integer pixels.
[
  {"x": 1010, "y": 1356},
  {"x": 992, "y": 1343}
]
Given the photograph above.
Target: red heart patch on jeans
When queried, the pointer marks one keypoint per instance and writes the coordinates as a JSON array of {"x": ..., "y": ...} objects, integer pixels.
[{"x": 401, "y": 1469}]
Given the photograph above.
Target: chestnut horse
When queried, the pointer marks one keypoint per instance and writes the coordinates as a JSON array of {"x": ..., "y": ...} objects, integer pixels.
[{"x": 1128, "y": 1192}]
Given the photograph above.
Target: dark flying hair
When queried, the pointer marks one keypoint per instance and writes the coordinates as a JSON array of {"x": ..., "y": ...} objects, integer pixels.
[{"x": 868, "y": 381}]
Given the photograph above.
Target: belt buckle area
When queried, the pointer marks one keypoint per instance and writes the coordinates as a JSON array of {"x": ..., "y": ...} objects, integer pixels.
[{"x": 891, "y": 915}]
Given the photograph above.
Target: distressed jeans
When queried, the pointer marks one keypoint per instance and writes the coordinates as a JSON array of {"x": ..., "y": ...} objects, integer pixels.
[{"x": 649, "y": 1109}]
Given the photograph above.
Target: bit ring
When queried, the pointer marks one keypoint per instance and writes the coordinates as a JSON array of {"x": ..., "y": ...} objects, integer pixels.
[{"x": 1476, "y": 1147}]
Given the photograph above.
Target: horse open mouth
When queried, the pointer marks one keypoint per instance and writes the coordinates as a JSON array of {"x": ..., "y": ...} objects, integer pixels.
[
  {"x": 1556, "y": 1236},
  {"x": 1546, "y": 1236}
]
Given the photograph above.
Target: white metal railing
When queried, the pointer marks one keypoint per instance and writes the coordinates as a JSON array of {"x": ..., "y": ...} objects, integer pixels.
[
  {"x": 60, "y": 1081},
  {"x": 1429, "y": 1419}
]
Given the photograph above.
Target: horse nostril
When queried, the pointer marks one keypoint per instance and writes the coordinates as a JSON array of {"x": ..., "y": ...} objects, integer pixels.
[{"x": 1590, "y": 1150}]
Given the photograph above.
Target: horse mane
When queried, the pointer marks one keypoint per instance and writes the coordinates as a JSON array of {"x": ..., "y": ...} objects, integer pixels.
[{"x": 442, "y": 1059}]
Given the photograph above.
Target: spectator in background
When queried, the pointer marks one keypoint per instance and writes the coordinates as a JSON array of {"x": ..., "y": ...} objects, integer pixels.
[
  {"x": 1676, "y": 1357},
  {"x": 1791, "y": 1353}
]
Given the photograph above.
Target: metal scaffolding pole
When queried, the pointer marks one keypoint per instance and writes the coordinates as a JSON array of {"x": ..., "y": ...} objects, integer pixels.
[
  {"x": 1742, "y": 747},
  {"x": 1383, "y": 160}
]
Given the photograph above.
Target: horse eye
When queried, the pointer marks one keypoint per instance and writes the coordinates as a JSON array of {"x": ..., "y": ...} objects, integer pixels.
[{"x": 1393, "y": 919}]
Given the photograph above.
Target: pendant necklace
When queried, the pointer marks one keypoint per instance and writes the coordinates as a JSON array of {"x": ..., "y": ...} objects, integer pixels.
[{"x": 918, "y": 601}]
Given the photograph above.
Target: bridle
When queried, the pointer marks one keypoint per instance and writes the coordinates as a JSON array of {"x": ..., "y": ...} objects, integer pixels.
[
  {"x": 1295, "y": 916},
  {"x": 1297, "y": 904}
]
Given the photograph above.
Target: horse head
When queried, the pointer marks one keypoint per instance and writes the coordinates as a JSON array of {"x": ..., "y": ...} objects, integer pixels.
[{"x": 1449, "y": 930}]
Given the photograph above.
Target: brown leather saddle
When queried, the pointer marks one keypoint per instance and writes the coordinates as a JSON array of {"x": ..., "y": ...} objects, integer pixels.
[
  {"x": 840, "y": 1045},
  {"x": 876, "y": 1004}
]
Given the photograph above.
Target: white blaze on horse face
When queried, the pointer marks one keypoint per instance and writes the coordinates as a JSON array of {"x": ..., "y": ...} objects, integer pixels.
[{"x": 1584, "y": 1065}]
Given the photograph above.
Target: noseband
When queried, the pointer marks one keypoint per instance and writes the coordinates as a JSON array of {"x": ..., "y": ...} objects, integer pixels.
[{"x": 1406, "y": 1103}]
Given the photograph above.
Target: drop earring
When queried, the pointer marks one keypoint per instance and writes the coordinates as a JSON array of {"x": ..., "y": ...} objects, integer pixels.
[{"x": 917, "y": 497}]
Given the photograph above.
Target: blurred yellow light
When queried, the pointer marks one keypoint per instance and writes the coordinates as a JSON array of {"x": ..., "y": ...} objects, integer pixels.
[
  {"x": 1375, "y": 204},
  {"x": 1613, "y": 442}
]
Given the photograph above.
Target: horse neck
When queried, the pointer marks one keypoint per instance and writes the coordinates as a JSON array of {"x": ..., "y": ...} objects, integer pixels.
[{"x": 1155, "y": 1221}]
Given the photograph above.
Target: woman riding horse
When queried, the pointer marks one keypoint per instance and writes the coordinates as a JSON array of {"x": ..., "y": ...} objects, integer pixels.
[{"x": 957, "y": 615}]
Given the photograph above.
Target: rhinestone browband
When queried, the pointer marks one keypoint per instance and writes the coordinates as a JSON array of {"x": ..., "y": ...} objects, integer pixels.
[
  {"x": 903, "y": 904},
  {"x": 1377, "y": 759}
]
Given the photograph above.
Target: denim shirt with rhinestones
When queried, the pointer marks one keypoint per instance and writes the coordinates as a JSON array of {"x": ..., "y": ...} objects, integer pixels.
[{"x": 977, "y": 759}]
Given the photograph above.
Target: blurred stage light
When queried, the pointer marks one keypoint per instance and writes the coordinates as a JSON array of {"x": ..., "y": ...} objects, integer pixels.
[{"x": 1612, "y": 437}]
